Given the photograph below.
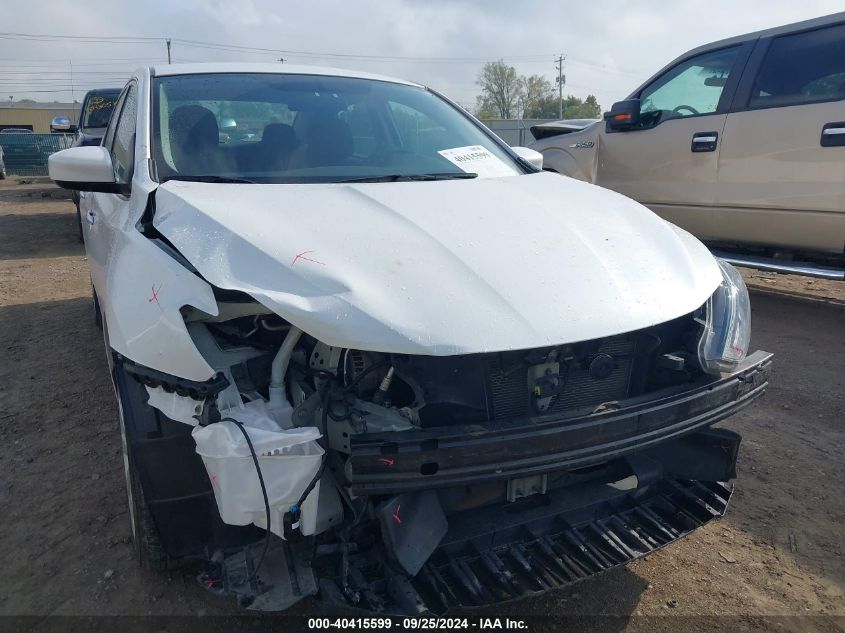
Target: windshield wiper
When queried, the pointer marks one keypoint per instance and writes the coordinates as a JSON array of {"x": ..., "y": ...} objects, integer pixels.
[
  {"x": 218, "y": 179},
  {"x": 452, "y": 175}
]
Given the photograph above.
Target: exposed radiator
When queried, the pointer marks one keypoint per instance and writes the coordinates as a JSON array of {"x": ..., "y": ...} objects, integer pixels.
[{"x": 511, "y": 398}]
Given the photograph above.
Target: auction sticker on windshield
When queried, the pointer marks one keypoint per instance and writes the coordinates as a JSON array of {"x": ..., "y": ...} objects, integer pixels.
[{"x": 477, "y": 159}]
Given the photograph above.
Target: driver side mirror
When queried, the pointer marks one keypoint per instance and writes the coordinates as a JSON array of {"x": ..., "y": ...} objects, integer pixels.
[
  {"x": 62, "y": 124},
  {"x": 623, "y": 115},
  {"x": 84, "y": 169}
]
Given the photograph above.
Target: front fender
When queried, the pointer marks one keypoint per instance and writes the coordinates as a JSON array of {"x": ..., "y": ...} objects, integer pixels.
[{"x": 145, "y": 291}]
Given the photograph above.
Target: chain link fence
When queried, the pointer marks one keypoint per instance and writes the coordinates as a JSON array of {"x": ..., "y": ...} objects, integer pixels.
[{"x": 26, "y": 154}]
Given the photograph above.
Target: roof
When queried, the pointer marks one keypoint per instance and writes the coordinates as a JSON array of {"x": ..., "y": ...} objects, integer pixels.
[
  {"x": 825, "y": 20},
  {"x": 277, "y": 68},
  {"x": 104, "y": 91}
]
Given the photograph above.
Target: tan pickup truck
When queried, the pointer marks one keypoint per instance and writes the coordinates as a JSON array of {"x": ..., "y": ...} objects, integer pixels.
[{"x": 741, "y": 142}]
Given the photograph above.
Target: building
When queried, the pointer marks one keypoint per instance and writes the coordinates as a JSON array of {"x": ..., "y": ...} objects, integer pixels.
[{"x": 36, "y": 116}]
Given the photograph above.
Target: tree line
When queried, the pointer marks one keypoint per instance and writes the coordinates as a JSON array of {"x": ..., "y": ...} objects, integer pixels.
[{"x": 505, "y": 94}]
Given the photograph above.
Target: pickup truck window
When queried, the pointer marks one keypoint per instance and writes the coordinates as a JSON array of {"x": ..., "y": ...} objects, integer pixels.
[
  {"x": 692, "y": 87},
  {"x": 802, "y": 68},
  {"x": 97, "y": 110}
]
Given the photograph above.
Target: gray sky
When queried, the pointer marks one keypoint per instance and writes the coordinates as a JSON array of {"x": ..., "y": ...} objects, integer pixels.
[{"x": 611, "y": 46}]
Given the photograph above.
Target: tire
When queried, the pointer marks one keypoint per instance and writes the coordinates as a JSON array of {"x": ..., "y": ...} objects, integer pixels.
[
  {"x": 2, "y": 174},
  {"x": 98, "y": 314},
  {"x": 148, "y": 549},
  {"x": 80, "y": 235}
]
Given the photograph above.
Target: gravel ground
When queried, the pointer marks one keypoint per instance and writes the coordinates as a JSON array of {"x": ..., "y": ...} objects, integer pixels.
[{"x": 64, "y": 526}]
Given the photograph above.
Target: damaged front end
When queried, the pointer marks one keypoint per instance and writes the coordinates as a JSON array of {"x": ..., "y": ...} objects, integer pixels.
[{"x": 406, "y": 484}]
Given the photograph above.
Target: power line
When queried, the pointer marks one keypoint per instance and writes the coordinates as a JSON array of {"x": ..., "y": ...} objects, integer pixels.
[{"x": 92, "y": 39}]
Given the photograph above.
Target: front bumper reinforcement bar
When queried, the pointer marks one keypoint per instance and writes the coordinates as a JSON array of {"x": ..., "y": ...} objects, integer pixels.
[{"x": 471, "y": 454}]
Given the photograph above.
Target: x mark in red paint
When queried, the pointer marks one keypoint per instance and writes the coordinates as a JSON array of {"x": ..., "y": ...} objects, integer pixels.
[
  {"x": 396, "y": 516},
  {"x": 155, "y": 295},
  {"x": 387, "y": 461},
  {"x": 303, "y": 257}
]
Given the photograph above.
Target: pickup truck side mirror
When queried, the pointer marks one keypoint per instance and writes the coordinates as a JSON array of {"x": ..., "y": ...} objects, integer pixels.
[
  {"x": 623, "y": 115},
  {"x": 84, "y": 169},
  {"x": 62, "y": 124}
]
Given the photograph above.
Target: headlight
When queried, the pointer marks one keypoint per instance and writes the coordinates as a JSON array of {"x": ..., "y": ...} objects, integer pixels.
[{"x": 727, "y": 330}]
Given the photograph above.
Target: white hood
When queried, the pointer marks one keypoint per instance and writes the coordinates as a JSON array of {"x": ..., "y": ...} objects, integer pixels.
[{"x": 444, "y": 267}]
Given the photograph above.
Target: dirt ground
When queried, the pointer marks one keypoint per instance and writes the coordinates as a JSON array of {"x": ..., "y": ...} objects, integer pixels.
[{"x": 64, "y": 526}]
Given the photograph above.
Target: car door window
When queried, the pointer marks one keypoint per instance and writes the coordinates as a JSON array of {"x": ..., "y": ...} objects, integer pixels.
[
  {"x": 693, "y": 87},
  {"x": 123, "y": 147},
  {"x": 108, "y": 137},
  {"x": 802, "y": 68}
]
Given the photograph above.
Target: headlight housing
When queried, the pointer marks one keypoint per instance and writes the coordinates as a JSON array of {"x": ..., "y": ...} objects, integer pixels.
[{"x": 727, "y": 329}]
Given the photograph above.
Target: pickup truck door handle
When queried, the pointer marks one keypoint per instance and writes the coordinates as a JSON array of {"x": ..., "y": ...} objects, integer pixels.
[
  {"x": 833, "y": 134},
  {"x": 91, "y": 216},
  {"x": 704, "y": 141}
]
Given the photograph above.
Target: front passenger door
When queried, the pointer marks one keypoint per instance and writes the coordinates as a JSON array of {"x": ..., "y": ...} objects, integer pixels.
[
  {"x": 669, "y": 163},
  {"x": 103, "y": 210}
]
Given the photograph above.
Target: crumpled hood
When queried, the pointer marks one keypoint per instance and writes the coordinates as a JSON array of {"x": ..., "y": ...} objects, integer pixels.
[{"x": 444, "y": 267}]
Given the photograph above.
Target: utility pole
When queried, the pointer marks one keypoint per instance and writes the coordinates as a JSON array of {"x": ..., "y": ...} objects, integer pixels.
[
  {"x": 168, "y": 50},
  {"x": 72, "y": 96},
  {"x": 561, "y": 80}
]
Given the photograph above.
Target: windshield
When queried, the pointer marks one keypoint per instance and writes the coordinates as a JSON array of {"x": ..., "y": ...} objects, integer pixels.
[
  {"x": 97, "y": 110},
  {"x": 308, "y": 128}
]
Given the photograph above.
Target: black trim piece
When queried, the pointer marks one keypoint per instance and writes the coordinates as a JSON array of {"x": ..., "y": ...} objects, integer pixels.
[
  {"x": 498, "y": 451},
  {"x": 102, "y": 187},
  {"x": 735, "y": 76},
  {"x": 182, "y": 386},
  {"x": 740, "y": 100},
  {"x": 487, "y": 558}
]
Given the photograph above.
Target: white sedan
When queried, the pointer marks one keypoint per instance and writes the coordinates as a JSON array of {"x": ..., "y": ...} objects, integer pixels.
[{"x": 369, "y": 350}]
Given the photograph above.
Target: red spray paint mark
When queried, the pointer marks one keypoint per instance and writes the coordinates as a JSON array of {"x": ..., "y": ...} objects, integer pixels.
[
  {"x": 155, "y": 295},
  {"x": 303, "y": 257},
  {"x": 387, "y": 461},
  {"x": 396, "y": 516}
]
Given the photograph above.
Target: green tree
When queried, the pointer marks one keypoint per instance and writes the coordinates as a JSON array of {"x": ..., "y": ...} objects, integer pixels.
[
  {"x": 501, "y": 91},
  {"x": 536, "y": 91},
  {"x": 507, "y": 95},
  {"x": 544, "y": 108},
  {"x": 575, "y": 108}
]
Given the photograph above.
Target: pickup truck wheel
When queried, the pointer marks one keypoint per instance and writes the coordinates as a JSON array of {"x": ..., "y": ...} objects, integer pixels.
[{"x": 145, "y": 536}]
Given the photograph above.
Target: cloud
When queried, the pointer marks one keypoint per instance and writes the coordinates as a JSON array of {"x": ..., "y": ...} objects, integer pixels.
[{"x": 611, "y": 46}]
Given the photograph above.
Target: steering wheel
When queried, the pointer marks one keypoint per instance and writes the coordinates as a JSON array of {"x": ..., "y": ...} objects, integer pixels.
[{"x": 685, "y": 107}]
